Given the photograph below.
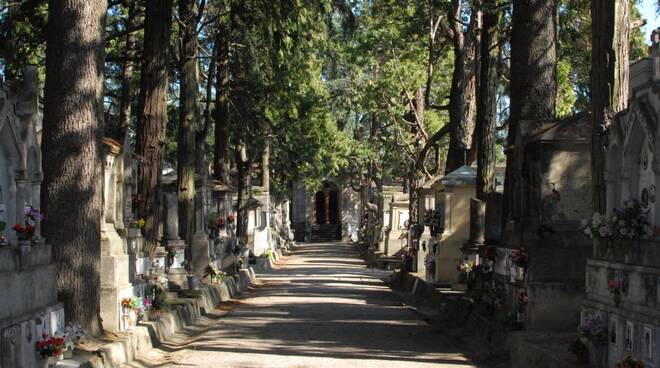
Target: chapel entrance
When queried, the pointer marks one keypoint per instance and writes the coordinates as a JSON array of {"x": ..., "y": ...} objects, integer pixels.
[{"x": 326, "y": 221}]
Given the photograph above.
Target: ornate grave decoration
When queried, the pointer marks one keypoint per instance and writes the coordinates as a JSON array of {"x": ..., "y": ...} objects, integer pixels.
[{"x": 624, "y": 273}]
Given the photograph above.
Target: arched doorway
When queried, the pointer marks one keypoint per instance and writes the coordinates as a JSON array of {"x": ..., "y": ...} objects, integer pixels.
[{"x": 326, "y": 221}]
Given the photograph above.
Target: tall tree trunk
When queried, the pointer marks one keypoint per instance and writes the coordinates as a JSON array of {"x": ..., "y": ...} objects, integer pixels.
[
  {"x": 187, "y": 120},
  {"x": 533, "y": 84},
  {"x": 221, "y": 151},
  {"x": 72, "y": 189},
  {"x": 126, "y": 99},
  {"x": 462, "y": 97},
  {"x": 265, "y": 167},
  {"x": 152, "y": 113},
  {"x": 487, "y": 102},
  {"x": 609, "y": 83},
  {"x": 415, "y": 177},
  {"x": 243, "y": 164}
]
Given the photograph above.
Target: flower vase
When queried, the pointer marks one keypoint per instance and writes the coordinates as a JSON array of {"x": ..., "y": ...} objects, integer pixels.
[
  {"x": 598, "y": 247},
  {"x": 42, "y": 363},
  {"x": 68, "y": 353},
  {"x": 24, "y": 254}
]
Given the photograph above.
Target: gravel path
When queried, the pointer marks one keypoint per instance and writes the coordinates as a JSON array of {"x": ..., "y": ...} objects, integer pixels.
[{"x": 321, "y": 307}]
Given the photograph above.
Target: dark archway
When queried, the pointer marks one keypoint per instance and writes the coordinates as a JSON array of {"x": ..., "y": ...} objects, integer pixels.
[{"x": 326, "y": 217}]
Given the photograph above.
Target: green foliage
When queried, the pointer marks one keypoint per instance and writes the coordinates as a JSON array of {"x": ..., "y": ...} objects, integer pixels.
[
  {"x": 574, "y": 54},
  {"x": 22, "y": 37}
]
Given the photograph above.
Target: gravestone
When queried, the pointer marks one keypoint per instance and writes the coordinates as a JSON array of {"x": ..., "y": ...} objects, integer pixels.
[{"x": 28, "y": 293}]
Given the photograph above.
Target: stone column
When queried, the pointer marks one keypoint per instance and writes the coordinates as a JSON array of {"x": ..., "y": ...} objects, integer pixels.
[
  {"x": 176, "y": 247},
  {"x": 200, "y": 242}
]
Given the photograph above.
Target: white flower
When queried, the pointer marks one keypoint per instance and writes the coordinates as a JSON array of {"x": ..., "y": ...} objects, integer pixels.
[
  {"x": 624, "y": 231},
  {"x": 596, "y": 219},
  {"x": 603, "y": 232},
  {"x": 584, "y": 223}
]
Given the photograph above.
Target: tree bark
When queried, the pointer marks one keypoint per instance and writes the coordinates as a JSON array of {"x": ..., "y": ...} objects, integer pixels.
[
  {"x": 533, "y": 85},
  {"x": 462, "y": 98},
  {"x": 152, "y": 113},
  {"x": 487, "y": 102},
  {"x": 609, "y": 83},
  {"x": 221, "y": 150},
  {"x": 265, "y": 166},
  {"x": 187, "y": 119},
  {"x": 72, "y": 189},
  {"x": 243, "y": 164},
  {"x": 126, "y": 99}
]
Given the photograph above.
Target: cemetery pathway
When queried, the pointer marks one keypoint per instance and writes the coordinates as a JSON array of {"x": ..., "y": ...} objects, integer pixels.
[{"x": 321, "y": 307}]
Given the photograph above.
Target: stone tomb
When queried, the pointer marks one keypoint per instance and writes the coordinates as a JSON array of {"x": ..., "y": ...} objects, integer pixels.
[
  {"x": 633, "y": 172},
  {"x": 453, "y": 193},
  {"x": 28, "y": 291},
  {"x": 551, "y": 197}
]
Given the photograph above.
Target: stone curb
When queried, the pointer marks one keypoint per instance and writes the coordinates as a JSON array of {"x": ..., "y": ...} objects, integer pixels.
[{"x": 185, "y": 310}]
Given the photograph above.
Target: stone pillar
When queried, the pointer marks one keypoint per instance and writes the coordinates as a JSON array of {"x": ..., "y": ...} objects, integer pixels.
[
  {"x": 176, "y": 247},
  {"x": 200, "y": 242},
  {"x": 115, "y": 268}
]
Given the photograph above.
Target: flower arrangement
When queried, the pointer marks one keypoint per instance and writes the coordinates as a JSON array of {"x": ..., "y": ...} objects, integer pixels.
[
  {"x": 628, "y": 223},
  {"x": 27, "y": 230},
  {"x": 138, "y": 224},
  {"x": 156, "y": 296},
  {"x": 630, "y": 362},
  {"x": 32, "y": 215},
  {"x": 593, "y": 328},
  {"x": 465, "y": 266},
  {"x": 132, "y": 303},
  {"x": 24, "y": 232},
  {"x": 221, "y": 276},
  {"x": 488, "y": 252},
  {"x": 231, "y": 218},
  {"x": 50, "y": 346},
  {"x": 598, "y": 226},
  {"x": 633, "y": 222},
  {"x": 616, "y": 287},
  {"x": 519, "y": 257}
]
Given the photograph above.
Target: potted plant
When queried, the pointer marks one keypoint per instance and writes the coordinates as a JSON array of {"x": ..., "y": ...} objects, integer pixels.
[
  {"x": 593, "y": 329},
  {"x": 614, "y": 286},
  {"x": 50, "y": 349},
  {"x": 135, "y": 228},
  {"x": 156, "y": 302},
  {"x": 579, "y": 349},
  {"x": 630, "y": 362},
  {"x": 520, "y": 257}
]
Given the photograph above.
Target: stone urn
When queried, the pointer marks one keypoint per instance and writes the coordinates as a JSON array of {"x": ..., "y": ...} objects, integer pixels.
[
  {"x": 131, "y": 318},
  {"x": 24, "y": 249}
]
